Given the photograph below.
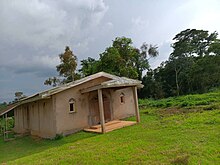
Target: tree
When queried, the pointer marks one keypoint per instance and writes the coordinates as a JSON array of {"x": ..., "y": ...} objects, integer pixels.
[
  {"x": 18, "y": 96},
  {"x": 89, "y": 66},
  {"x": 205, "y": 73},
  {"x": 119, "y": 59},
  {"x": 66, "y": 69},
  {"x": 193, "y": 66},
  {"x": 144, "y": 54},
  {"x": 152, "y": 88},
  {"x": 193, "y": 42},
  {"x": 189, "y": 44},
  {"x": 68, "y": 65},
  {"x": 122, "y": 59},
  {"x": 54, "y": 81}
]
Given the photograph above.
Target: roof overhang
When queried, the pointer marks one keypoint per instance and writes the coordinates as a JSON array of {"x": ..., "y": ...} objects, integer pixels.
[
  {"x": 112, "y": 84},
  {"x": 9, "y": 108},
  {"x": 23, "y": 101}
]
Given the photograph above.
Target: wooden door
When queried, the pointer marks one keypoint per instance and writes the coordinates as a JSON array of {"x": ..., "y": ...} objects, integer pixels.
[{"x": 94, "y": 110}]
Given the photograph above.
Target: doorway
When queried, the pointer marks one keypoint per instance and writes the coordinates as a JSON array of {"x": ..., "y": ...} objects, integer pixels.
[{"x": 94, "y": 109}]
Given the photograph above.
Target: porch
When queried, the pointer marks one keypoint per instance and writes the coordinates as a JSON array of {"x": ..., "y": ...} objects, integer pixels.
[
  {"x": 110, "y": 126},
  {"x": 103, "y": 113}
]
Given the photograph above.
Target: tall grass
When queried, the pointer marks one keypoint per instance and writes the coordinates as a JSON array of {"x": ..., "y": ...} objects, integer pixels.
[{"x": 206, "y": 101}]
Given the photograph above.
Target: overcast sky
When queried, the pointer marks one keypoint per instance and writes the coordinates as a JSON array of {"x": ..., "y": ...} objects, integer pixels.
[{"x": 33, "y": 33}]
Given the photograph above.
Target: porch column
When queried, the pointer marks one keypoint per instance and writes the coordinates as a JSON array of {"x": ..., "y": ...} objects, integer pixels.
[
  {"x": 136, "y": 104},
  {"x": 101, "y": 110}
]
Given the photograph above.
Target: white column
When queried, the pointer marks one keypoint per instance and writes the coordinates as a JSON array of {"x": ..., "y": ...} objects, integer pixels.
[
  {"x": 101, "y": 110},
  {"x": 136, "y": 104}
]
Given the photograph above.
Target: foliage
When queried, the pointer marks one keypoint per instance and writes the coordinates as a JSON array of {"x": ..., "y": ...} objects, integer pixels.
[
  {"x": 205, "y": 101},
  {"x": 3, "y": 105},
  {"x": 89, "y": 66},
  {"x": 121, "y": 59},
  {"x": 193, "y": 42},
  {"x": 164, "y": 136},
  {"x": 193, "y": 66},
  {"x": 18, "y": 96},
  {"x": 54, "y": 81},
  {"x": 68, "y": 64},
  {"x": 66, "y": 68},
  {"x": 58, "y": 137},
  {"x": 10, "y": 122}
]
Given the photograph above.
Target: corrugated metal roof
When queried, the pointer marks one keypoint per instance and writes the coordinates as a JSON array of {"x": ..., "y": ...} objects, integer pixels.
[{"x": 8, "y": 108}]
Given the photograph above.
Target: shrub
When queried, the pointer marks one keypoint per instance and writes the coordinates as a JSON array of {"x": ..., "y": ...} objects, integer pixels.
[
  {"x": 58, "y": 136},
  {"x": 211, "y": 107}
]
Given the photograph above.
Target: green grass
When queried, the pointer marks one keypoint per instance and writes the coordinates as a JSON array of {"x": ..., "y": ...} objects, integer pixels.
[
  {"x": 189, "y": 101},
  {"x": 172, "y": 135}
]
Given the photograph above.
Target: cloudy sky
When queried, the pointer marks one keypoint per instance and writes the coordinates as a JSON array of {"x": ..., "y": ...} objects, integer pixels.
[{"x": 33, "y": 33}]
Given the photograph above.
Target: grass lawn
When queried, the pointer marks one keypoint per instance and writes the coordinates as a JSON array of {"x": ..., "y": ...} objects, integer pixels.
[{"x": 173, "y": 134}]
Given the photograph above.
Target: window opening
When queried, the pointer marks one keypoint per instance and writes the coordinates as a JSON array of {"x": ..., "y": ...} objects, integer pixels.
[
  {"x": 122, "y": 98},
  {"x": 72, "y": 105}
]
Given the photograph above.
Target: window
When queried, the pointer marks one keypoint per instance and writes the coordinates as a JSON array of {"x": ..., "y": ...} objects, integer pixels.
[
  {"x": 122, "y": 98},
  {"x": 72, "y": 105}
]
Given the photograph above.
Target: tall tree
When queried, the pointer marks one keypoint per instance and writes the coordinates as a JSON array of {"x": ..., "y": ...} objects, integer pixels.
[
  {"x": 193, "y": 42},
  {"x": 119, "y": 59},
  {"x": 89, "y": 66},
  {"x": 66, "y": 68},
  {"x": 122, "y": 59},
  {"x": 68, "y": 64},
  {"x": 192, "y": 67},
  {"x": 142, "y": 59},
  {"x": 188, "y": 44},
  {"x": 18, "y": 96}
]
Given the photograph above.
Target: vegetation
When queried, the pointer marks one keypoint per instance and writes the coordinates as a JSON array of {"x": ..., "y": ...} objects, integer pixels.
[
  {"x": 66, "y": 68},
  {"x": 207, "y": 101},
  {"x": 3, "y": 106},
  {"x": 178, "y": 130},
  {"x": 193, "y": 66},
  {"x": 122, "y": 59}
]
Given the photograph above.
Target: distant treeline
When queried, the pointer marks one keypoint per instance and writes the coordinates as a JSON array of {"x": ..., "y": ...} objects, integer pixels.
[
  {"x": 192, "y": 67},
  {"x": 3, "y": 105},
  {"x": 184, "y": 76}
]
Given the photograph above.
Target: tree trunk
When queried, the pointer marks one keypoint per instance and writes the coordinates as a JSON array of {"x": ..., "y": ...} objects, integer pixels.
[{"x": 177, "y": 83}]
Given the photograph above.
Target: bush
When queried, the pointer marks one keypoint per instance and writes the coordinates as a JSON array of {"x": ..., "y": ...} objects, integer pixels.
[{"x": 58, "y": 136}]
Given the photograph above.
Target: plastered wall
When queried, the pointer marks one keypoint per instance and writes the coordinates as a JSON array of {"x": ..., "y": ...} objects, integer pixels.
[
  {"x": 35, "y": 118},
  {"x": 46, "y": 118},
  {"x": 126, "y": 109},
  {"x": 67, "y": 122}
]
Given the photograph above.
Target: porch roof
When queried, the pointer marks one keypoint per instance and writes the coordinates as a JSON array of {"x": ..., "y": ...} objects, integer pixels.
[{"x": 120, "y": 82}]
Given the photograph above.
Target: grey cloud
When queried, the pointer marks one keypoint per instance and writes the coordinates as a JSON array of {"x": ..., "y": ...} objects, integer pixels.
[
  {"x": 164, "y": 52},
  {"x": 33, "y": 33},
  {"x": 45, "y": 26}
]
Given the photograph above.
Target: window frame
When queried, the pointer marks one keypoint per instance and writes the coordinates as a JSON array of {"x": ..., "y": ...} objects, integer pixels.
[
  {"x": 72, "y": 105},
  {"x": 122, "y": 98}
]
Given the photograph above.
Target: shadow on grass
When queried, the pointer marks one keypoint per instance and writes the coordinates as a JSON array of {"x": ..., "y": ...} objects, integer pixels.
[{"x": 28, "y": 145}]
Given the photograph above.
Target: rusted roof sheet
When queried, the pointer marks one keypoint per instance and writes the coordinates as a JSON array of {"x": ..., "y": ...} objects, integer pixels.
[{"x": 8, "y": 108}]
